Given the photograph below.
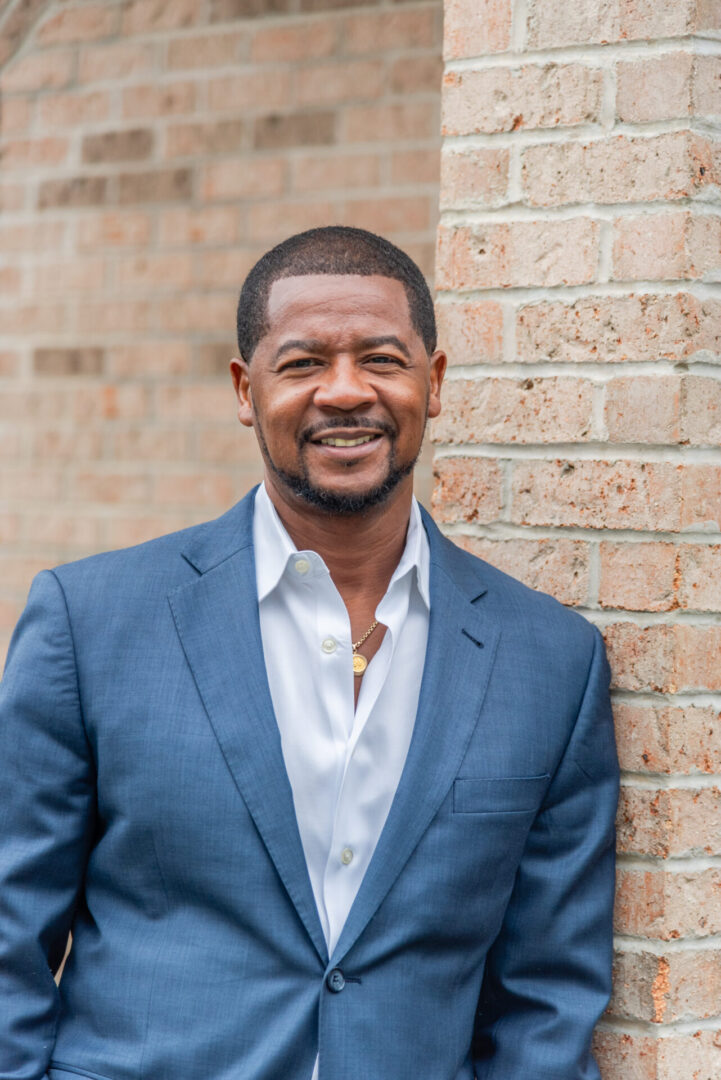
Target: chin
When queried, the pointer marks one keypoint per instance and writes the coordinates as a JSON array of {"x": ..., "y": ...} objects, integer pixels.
[{"x": 356, "y": 499}]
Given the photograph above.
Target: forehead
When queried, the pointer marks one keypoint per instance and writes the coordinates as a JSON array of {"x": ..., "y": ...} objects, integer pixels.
[{"x": 328, "y": 301}]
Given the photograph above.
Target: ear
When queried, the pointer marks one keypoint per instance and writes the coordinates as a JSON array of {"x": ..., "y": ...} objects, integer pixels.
[
  {"x": 438, "y": 364},
  {"x": 240, "y": 375}
]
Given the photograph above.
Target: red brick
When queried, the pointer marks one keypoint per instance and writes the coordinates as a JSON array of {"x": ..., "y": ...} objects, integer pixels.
[
  {"x": 16, "y": 114},
  {"x": 675, "y": 245},
  {"x": 244, "y": 178},
  {"x": 390, "y": 122},
  {"x": 611, "y": 329},
  {"x": 521, "y": 253},
  {"x": 332, "y": 83},
  {"x": 109, "y": 402},
  {"x": 34, "y": 484},
  {"x": 476, "y": 27},
  {"x": 250, "y": 89},
  {"x": 101, "y": 485},
  {"x": 66, "y": 444},
  {"x": 655, "y": 88},
  {"x": 706, "y": 91},
  {"x": 698, "y": 660},
  {"x": 475, "y": 178},
  {"x": 204, "y": 139},
  {"x": 471, "y": 333},
  {"x": 195, "y": 401},
  {"x": 467, "y": 489},
  {"x": 9, "y": 363},
  {"x": 391, "y": 214},
  {"x": 184, "y": 225},
  {"x": 218, "y": 269},
  {"x": 33, "y": 153},
  {"x": 39, "y": 235},
  {"x": 39, "y": 71},
  {"x": 68, "y": 529},
  {"x": 701, "y": 423},
  {"x": 73, "y": 110},
  {"x": 86, "y": 23},
  {"x": 558, "y": 567},
  {"x": 119, "y": 60},
  {"x": 701, "y": 497},
  {"x": 382, "y": 31},
  {"x": 148, "y": 444},
  {"x": 78, "y": 275},
  {"x": 112, "y": 230},
  {"x": 297, "y": 42},
  {"x": 193, "y": 488},
  {"x": 661, "y": 989},
  {"x": 44, "y": 318},
  {"x": 109, "y": 316},
  {"x": 142, "y": 16},
  {"x": 668, "y": 739},
  {"x": 315, "y": 172},
  {"x": 416, "y": 167},
  {"x": 266, "y": 225},
  {"x": 159, "y": 99},
  {"x": 534, "y": 96},
  {"x": 136, "y": 528},
  {"x": 700, "y": 577},
  {"x": 151, "y": 272},
  {"x": 644, "y": 409},
  {"x": 616, "y": 170},
  {"x": 638, "y": 577},
  {"x": 494, "y": 410},
  {"x": 163, "y": 185},
  {"x": 597, "y": 494},
  {"x": 583, "y": 22},
  {"x": 149, "y": 359},
  {"x": 641, "y": 657},
  {"x": 422, "y": 74},
  {"x": 665, "y": 905},
  {"x": 213, "y": 358},
  {"x": 206, "y": 50},
  {"x": 198, "y": 312}
]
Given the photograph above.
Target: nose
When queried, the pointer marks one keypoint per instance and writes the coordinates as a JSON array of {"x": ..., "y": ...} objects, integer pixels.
[{"x": 344, "y": 385}]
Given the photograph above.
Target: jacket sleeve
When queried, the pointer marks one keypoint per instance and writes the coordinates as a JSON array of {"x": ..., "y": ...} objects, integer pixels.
[
  {"x": 48, "y": 796},
  {"x": 548, "y": 974}
]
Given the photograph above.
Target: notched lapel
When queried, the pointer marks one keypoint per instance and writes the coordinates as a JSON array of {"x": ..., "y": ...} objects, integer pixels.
[
  {"x": 461, "y": 649},
  {"x": 216, "y": 617}
]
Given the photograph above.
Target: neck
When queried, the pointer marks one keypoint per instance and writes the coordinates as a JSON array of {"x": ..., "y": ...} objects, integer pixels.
[{"x": 362, "y": 550}]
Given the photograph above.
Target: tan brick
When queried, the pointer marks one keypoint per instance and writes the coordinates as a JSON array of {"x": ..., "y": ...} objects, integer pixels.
[
  {"x": 507, "y": 99},
  {"x": 67, "y": 529},
  {"x": 164, "y": 185},
  {"x": 135, "y": 144},
  {"x": 11, "y": 279},
  {"x": 44, "y": 318},
  {"x": 159, "y": 99},
  {"x": 620, "y": 169},
  {"x": 644, "y": 409},
  {"x": 12, "y": 197},
  {"x": 266, "y": 225},
  {"x": 708, "y": 16},
  {"x": 494, "y": 410},
  {"x": 205, "y": 225},
  {"x": 9, "y": 363},
  {"x": 68, "y": 276},
  {"x": 86, "y": 23},
  {"x": 214, "y": 359},
  {"x": 701, "y": 422},
  {"x": 380, "y": 31},
  {"x": 119, "y": 60},
  {"x": 112, "y": 230},
  {"x": 195, "y": 401},
  {"x": 199, "y": 312},
  {"x": 318, "y": 171},
  {"x": 152, "y": 272},
  {"x": 218, "y": 269},
  {"x": 666, "y": 245},
  {"x": 73, "y": 110},
  {"x": 668, "y": 739},
  {"x": 701, "y": 497},
  {"x": 641, "y": 657},
  {"x": 141, "y": 16},
  {"x": 225, "y": 10},
  {"x": 149, "y": 360},
  {"x": 292, "y": 43},
  {"x": 698, "y": 661},
  {"x": 558, "y": 567},
  {"x": 244, "y": 178},
  {"x": 46, "y": 235},
  {"x": 638, "y": 577},
  {"x": 347, "y": 80},
  {"x": 706, "y": 91},
  {"x": 101, "y": 485},
  {"x": 694, "y": 1056},
  {"x": 16, "y": 114},
  {"x": 136, "y": 527},
  {"x": 423, "y": 74},
  {"x": 655, "y": 88},
  {"x": 294, "y": 129},
  {"x": 112, "y": 316},
  {"x": 467, "y": 489},
  {"x": 220, "y": 445},
  {"x": 33, "y": 153},
  {"x": 474, "y": 178},
  {"x": 39, "y": 71},
  {"x": 109, "y": 402},
  {"x": 206, "y": 50},
  {"x": 146, "y": 444},
  {"x": 611, "y": 329},
  {"x": 521, "y": 253},
  {"x": 471, "y": 333},
  {"x": 416, "y": 167},
  {"x": 193, "y": 488},
  {"x": 660, "y": 989},
  {"x": 66, "y": 444},
  {"x": 700, "y": 577},
  {"x": 472, "y": 28},
  {"x": 597, "y": 494},
  {"x": 668, "y": 905},
  {"x": 203, "y": 139},
  {"x": 391, "y": 214},
  {"x": 582, "y": 22},
  {"x": 17, "y": 24},
  {"x": 390, "y": 122},
  {"x": 251, "y": 89},
  {"x": 34, "y": 484}
]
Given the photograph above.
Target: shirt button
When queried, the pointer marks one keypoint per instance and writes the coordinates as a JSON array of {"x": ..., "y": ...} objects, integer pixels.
[
  {"x": 335, "y": 980},
  {"x": 346, "y": 856},
  {"x": 329, "y": 645},
  {"x": 301, "y": 566}
]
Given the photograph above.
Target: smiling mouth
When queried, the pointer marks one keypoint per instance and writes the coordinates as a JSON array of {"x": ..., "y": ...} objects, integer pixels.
[{"x": 334, "y": 441}]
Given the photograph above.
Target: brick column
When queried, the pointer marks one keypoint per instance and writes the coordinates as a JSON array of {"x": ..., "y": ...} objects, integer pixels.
[{"x": 579, "y": 298}]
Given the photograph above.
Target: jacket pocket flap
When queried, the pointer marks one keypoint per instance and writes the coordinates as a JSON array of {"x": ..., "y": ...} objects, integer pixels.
[{"x": 498, "y": 794}]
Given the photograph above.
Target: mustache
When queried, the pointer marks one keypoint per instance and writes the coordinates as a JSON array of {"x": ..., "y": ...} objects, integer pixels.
[{"x": 346, "y": 422}]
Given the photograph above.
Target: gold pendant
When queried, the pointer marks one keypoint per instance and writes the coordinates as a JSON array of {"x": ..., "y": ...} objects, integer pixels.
[{"x": 359, "y": 663}]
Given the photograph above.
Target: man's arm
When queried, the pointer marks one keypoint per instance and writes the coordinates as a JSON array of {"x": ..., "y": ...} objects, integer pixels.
[
  {"x": 47, "y": 784},
  {"x": 548, "y": 975}
]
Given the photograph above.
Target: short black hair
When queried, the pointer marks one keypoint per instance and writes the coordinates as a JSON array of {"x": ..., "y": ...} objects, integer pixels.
[{"x": 333, "y": 249}]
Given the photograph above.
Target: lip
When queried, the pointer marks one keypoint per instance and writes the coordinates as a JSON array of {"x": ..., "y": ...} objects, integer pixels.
[{"x": 346, "y": 453}]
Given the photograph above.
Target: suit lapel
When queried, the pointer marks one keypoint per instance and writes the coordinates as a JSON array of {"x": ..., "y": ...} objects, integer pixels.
[
  {"x": 460, "y": 653},
  {"x": 216, "y": 617}
]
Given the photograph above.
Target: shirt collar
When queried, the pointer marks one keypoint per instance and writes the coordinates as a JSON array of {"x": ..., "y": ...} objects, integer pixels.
[{"x": 274, "y": 548}]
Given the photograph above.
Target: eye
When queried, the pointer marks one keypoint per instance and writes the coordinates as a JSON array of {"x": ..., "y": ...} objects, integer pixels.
[
  {"x": 384, "y": 359},
  {"x": 299, "y": 364}
]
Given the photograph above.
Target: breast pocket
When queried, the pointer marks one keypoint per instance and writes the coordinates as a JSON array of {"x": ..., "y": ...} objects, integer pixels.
[{"x": 498, "y": 794}]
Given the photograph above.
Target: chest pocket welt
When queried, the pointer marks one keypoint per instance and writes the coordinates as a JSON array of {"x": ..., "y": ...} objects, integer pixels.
[{"x": 498, "y": 794}]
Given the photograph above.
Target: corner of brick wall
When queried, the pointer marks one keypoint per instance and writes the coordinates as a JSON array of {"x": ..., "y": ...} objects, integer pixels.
[
  {"x": 150, "y": 151},
  {"x": 579, "y": 270}
]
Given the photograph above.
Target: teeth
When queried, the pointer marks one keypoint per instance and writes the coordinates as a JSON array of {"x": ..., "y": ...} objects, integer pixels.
[{"x": 347, "y": 442}]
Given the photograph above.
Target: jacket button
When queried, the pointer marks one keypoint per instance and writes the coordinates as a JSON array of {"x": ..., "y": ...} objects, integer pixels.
[{"x": 335, "y": 981}]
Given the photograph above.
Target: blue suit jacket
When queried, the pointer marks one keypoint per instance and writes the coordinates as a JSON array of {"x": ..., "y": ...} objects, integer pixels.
[{"x": 146, "y": 807}]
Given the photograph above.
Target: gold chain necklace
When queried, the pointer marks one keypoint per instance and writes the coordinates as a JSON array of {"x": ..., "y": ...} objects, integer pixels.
[{"x": 360, "y": 662}]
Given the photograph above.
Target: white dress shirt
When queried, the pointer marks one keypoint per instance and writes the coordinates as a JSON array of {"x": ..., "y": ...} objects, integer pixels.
[{"x": 343, "y": 763}]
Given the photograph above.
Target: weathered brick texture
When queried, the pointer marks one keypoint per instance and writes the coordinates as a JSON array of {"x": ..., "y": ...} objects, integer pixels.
[
  {"x": 150, "y": 150},
  {"x": 579, "y": 297}
]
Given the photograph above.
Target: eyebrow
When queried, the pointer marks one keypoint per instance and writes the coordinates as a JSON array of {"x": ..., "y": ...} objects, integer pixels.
[{"x": 313, "y": 345}]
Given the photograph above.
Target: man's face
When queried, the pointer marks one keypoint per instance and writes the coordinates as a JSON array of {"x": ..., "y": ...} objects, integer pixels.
[{"x": 339, "y": 390}]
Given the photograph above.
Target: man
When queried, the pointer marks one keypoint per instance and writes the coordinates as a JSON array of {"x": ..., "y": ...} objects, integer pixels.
[{"x": 317, "y": 793}]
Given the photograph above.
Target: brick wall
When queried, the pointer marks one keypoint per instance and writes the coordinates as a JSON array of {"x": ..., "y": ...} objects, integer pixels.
[
  {"x": 150, "y": 151},
  {"x": 579, "y": 268}
]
